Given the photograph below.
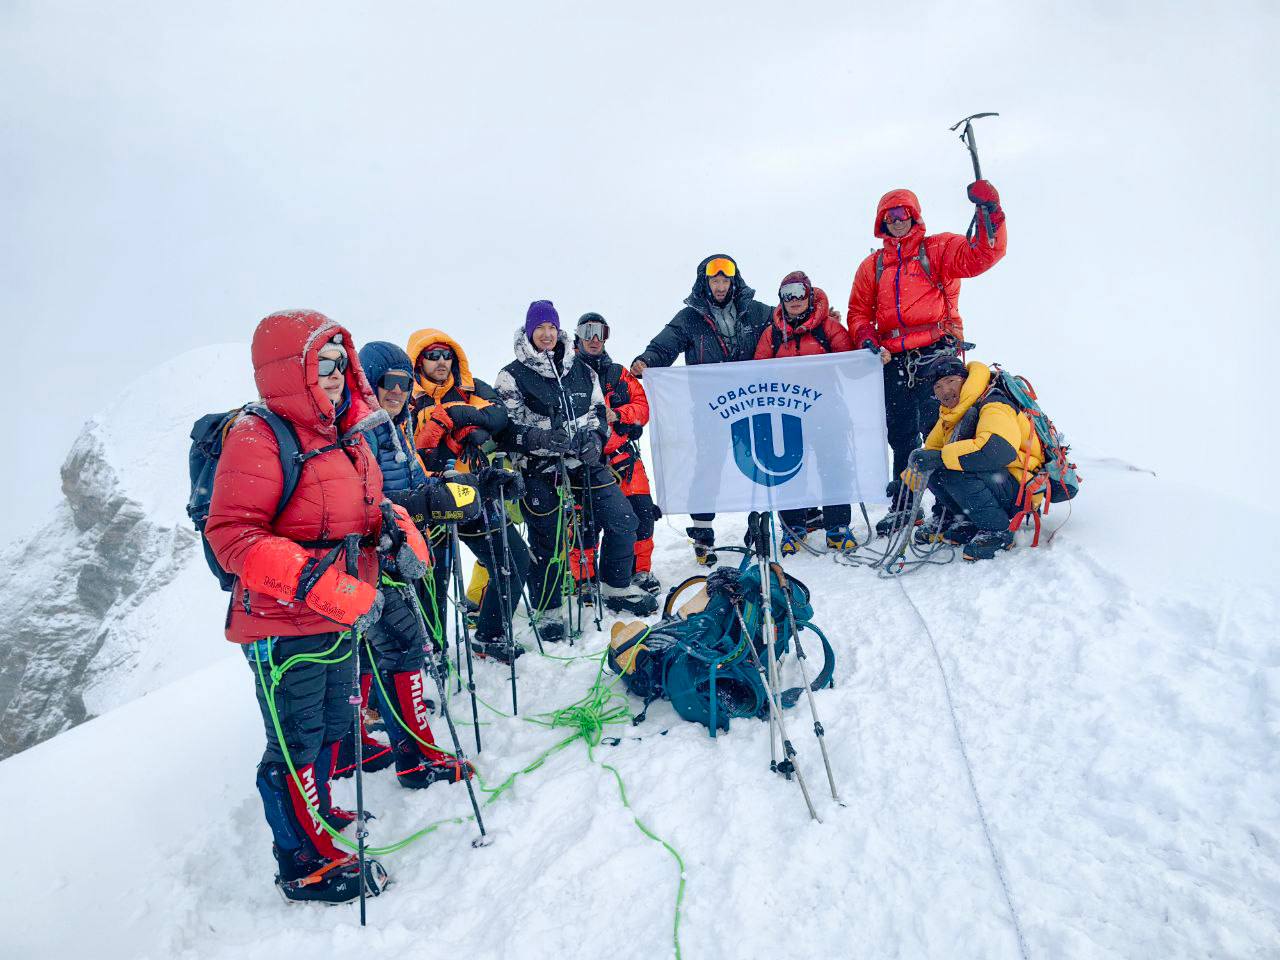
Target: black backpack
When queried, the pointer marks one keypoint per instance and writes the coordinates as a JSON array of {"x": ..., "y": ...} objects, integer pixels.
[{"x": 207, "y": 437}]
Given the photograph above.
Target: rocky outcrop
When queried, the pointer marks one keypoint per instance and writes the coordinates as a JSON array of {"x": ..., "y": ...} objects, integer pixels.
[{"x": 69, "y": 587}]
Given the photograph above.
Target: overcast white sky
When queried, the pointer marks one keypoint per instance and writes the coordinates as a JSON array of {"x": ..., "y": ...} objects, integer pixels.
[{"x": 173, "y": 172}]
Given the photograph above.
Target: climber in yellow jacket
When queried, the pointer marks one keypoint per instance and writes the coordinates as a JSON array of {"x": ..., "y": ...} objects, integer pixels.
[{"x": 976, "y": 457}]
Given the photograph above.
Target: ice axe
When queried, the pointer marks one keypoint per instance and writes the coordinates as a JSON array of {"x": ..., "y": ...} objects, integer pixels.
[{"x": 971, "y": 142}]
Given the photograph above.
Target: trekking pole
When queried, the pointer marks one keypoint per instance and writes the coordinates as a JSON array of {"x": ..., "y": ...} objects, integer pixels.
[
  {"x": 351, "y": 546},
  {"x": 434, "y": 669},
  {"x": 597, "y": 551},
  {"x": 818, "y": 730},
  {"x": 466, "y": 627},
  {"x": 788, "y": 765},
  {"x": 970, "y": 141},
  {"x": 755, "y": 533},
  {"x": 504, "y": 583},
  {"x": 572, "y": 532}
]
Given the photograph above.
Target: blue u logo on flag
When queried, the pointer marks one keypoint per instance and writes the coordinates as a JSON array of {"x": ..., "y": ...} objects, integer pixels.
[{"x": 755, "y": 450}]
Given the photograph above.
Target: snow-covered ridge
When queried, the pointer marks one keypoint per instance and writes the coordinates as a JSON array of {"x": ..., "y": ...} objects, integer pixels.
[{"x": 89, "y": 626}]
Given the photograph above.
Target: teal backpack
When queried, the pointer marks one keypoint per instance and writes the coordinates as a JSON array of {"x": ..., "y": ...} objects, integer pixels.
[
  {"x": 700, "y": 659},
  {"x": 1058, "y": 479}
]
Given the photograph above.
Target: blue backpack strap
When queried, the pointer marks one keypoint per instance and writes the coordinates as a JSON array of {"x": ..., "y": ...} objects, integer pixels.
[{"x": 290, "y": 450}]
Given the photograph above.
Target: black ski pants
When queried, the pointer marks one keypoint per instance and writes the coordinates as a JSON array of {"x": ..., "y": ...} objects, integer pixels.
[
  {"x": 910, "y": 408},
  {"x": 603, "y": 506},
  {"x": 311, "y": 698},
  {"x": 484, "y": 539},
  {"x": 985, "y": 498}
]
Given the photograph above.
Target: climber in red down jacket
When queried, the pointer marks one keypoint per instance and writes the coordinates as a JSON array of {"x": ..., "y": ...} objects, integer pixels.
[
  {"x": 293, "y": 595},
  {"x": 803, "y": 325},
  {"x": 904, "y": 304}
]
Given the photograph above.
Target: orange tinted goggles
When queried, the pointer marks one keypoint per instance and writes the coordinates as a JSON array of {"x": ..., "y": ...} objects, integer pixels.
[{"x": 722, "y": 265}]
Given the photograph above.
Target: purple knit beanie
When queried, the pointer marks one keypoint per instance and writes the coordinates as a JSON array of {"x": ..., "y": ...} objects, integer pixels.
[{"x": 540, "y": 312}]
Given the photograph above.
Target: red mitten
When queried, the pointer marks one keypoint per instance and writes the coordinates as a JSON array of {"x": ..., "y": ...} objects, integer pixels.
[
  {"x": 340, "y": 597},
  {"x": 984, "y": 194},
  {"x": 440, "y": 414}
]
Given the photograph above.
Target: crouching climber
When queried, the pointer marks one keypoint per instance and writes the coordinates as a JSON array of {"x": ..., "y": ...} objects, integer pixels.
[{"x": 978, "y": 455}]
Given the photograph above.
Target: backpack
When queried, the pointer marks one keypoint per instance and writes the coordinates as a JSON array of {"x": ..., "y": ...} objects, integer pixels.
[
  {"x": 207, "y": 437},
  {"x": 701, "y": 662},
  {"x": 1058, "y": 478}
]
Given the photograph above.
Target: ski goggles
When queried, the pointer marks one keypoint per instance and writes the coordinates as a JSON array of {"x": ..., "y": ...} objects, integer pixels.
[
  {"x": 593, "y": 330},
  {"x": 328, "y": 366},
  {"x": 793, "y": 291},
  {"x": 721, "y": 265},
  {"x": 440, "y": 353},
  {"x": 896, "y": 214},
  {"x": 396, "y": 381}
]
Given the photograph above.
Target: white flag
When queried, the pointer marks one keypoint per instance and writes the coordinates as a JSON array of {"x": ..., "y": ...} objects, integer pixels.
[{"x": 768, "y": 434}]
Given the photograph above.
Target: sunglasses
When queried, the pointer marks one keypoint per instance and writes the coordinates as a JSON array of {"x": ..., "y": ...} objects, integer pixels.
[
  {"x": 722, "y": 265},
  {"x": 895, "y": 214},
  {"x": 441, "y": 354},
  {"x": 593, "y": 330},
  {"x": 331, "y": 365},
  {"x": 793, "y": 291},
  {"x": 396, "y": 381}
]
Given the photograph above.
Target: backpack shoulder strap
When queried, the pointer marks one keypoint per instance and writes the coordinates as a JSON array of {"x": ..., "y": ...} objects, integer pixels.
[
  {"x": 290, "y": 450},
  {"x": 923, "y": 257},
  {"x": 821, "y": 336},
  {"x": 775, "y": 337},
  {"x": 879, "y": 265}
]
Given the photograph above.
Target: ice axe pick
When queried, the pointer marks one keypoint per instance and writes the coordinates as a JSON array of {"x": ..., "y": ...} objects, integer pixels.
[{"x": 971, "y": 142}]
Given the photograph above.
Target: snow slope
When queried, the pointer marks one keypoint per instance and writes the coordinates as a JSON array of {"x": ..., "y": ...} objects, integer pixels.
[{"x": 1117, "y": 696}]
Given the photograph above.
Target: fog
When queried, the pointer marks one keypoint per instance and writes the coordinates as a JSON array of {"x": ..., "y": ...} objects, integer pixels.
[{"x": 172, "y": 174}]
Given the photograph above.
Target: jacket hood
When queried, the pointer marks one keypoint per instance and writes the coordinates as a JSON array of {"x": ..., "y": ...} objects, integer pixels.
[
  {"x": 898, "y": 198},
  {"x": 976, "y": 382},
  {"x": 818, "y": 316},
  {"x": 542, "y": 363},
  {"x": 700, "y": 297},
  {"x": 419, "y": 340},
  {"x": 286, "y": 356}
]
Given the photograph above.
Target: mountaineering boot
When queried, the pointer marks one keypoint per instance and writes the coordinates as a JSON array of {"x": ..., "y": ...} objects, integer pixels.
[
  {"x": 375, "y": 754},
  {"x": 629, "y": 599},
  {"x": 704, "y": 540},
  {"x": 813, "y": 520},
  {"x": 894, "y": 520},
  {"x": 417, "y": 771},
  {"x": 841, "y": 540},
  {"x": 304, "y": 878},
  {"x": 497, "y": 648},
  {"x": 951, "y": 529},
  {"x": 310, "y": 867},
  {"x": 789, "y": 545},
  {"x": 550, "y": 626},
  {"x": 646, "y": 581},
  {"x": 987, "y": 543}
]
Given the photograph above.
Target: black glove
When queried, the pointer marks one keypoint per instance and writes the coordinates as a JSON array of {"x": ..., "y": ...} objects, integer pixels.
[
  {"x": 454, "y": 500},
  {"x": 587, "y": 446},
  {"x": 555, "y": 441},
  {"x": 414, "y": 501},
  {"x": 495, "y": 482},
  {"x": 869, "y": 345},
  {"x": 925, "y": 461},
  {"x": 465, "y": 415}
]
